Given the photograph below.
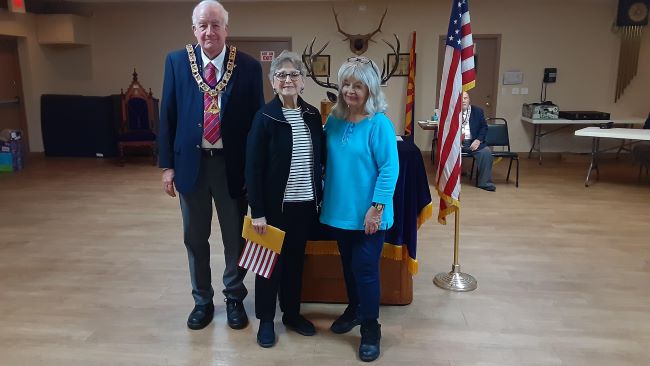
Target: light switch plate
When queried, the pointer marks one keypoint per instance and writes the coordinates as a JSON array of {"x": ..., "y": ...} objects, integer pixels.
[
  {"x": 524, "y": 91},
  {"x": 515, "y": 91}
]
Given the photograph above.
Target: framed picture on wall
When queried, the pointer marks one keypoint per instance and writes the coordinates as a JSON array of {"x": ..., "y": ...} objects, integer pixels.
[
  {"x": 320, "y": 66},
  {"x": 402, "y": 67}
]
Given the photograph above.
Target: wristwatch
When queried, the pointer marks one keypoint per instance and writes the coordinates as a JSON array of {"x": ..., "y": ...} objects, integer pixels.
[{"x": 378, "y": 206}]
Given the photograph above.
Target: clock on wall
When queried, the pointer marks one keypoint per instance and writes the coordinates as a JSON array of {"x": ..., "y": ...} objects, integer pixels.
[{"x": 632, "y": 12}]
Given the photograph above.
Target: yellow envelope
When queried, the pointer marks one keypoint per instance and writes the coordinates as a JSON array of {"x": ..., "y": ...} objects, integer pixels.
[{"x": 273, "y": 239}]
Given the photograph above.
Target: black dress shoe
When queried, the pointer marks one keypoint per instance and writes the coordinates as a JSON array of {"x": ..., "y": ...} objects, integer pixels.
[
  {"x": 266, "y": 334},
  {"x": 200, "y": 316},
  {"x": 345, "y": 322},
  {"x": 491, "y": 188},
  {"x": 237, "y": 318},
  {"x": 370, "y": 336},
  {"x": 299, "y": 324}
]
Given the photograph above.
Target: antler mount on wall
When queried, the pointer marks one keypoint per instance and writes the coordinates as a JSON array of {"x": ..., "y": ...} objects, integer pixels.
[{"x": 359, "y": 42}]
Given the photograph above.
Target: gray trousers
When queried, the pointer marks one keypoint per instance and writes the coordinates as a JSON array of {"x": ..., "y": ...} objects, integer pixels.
[
  {"x": 196, "y": 208},
  {"x": 484, "y": 161}
]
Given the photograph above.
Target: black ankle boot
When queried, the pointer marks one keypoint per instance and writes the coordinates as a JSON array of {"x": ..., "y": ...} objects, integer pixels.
[
  {"x": 370, "y": 336},
  {"x": 346, "y": 321}
]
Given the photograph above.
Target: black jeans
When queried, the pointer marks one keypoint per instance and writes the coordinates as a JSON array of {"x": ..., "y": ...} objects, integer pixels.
[{"x": 297, "y": 220}]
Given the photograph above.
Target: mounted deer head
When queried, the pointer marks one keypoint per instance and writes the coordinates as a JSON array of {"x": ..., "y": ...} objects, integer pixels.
[
  {"x": 309, "y": 56},
  {"x": 358, "y": 42}
]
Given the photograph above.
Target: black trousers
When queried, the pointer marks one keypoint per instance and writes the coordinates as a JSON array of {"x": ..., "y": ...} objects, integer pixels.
[{"x": 297, "y": 220}]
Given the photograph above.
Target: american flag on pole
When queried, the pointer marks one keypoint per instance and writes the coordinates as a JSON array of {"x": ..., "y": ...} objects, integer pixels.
[
  {"x": 410, "y": 93},
  {"x": 458, "y": 75},
  {"x": 258, "y": 259}
]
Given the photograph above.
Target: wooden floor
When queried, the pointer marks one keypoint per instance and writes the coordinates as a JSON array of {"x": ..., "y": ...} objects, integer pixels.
[{"x": 93, "y": 272}]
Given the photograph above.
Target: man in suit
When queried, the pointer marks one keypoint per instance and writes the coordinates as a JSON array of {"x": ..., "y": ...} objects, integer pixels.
[
  {"x": 473, "y": 133},
  {"x": 210, "y": 95}
]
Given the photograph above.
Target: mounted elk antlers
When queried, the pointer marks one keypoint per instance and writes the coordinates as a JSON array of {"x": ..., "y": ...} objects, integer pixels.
[
  {"x": 309, "y": 56},
  {"x": 384, "y": 68},
  {"x": 358, "y": 42}
]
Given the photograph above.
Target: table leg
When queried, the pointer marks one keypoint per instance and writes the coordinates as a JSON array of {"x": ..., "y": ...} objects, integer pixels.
[
  {"x": 595, "y": 144},
  {"x": 433, "y": 151},
  {"x": 532, "y": 146},
  {"x": 537, "y": 142},
  {"x": 434, "y": 144}
]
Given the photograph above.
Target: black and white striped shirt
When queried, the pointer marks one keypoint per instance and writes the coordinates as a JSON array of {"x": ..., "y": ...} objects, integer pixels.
[{"x": 299, "y": 185}]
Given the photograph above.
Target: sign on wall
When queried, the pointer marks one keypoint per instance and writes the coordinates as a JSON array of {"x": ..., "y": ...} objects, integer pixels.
[
  {"x": 17, "y": 6},
  {"x": 267, "y": 56}
]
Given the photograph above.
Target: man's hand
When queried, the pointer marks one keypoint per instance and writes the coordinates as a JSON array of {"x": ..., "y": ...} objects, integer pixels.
[
  {"x": 259, "y": 224},
  {"x": 475, "y": 144},
  {"x": 168, "y": 182}
]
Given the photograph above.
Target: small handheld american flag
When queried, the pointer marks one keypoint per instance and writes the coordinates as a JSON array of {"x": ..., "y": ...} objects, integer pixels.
[{"x": 261, "y": 251}]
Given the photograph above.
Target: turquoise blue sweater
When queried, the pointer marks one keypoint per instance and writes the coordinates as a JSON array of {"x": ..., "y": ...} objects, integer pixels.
[{"x": 362, "y": 167}]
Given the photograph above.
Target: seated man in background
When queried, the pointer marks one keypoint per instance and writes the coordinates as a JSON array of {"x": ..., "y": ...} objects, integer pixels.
[{"x": 473, "y": 132}]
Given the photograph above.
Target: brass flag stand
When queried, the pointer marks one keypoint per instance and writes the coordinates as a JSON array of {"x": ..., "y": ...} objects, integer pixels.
[{"x": 455, "y": 280}]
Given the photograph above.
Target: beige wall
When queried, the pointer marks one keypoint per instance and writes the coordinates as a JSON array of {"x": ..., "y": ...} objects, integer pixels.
[{"x": 574, "y": 36}]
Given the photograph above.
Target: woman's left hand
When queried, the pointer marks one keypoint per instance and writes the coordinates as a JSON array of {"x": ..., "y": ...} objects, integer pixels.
[
  {"x": 259, "y": 225},
  {"x": 372, "y": 220}
]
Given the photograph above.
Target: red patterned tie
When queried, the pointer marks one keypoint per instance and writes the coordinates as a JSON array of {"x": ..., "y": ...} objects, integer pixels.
[{"x": 211, "y": 121}]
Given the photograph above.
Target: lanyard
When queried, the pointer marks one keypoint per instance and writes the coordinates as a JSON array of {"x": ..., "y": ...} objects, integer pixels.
[{"x": 465, "y": 116}]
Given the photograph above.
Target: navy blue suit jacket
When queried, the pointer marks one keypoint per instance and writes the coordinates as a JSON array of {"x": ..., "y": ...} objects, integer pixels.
[
  {"x": 181, "y": 118},
  {"x": 477, "y": 125}
]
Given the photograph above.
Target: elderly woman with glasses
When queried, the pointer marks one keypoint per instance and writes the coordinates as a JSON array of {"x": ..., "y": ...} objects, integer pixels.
[
  {"x": 360, "y": 177},
  {"x": 283, "y": 178}
]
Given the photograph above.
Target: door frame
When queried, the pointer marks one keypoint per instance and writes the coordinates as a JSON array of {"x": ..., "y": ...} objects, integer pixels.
[
  {"x": 287, "y": 40},
  {"x": 23, "y": 124}
]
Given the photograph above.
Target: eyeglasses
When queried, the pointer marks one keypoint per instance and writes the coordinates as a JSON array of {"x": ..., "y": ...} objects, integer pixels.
[
  {"x": 364, "y": 60},
  {"x": 282, "y": 76}
]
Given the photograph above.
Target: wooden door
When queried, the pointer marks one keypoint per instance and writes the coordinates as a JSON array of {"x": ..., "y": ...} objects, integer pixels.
[
  {"x": 12, "y": 110},
  {"x": 487, "y": 51}
]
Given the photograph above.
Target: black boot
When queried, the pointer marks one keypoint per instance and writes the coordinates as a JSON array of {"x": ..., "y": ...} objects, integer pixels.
[
  {"x": 266, "y": 334},
  {"x": 299, "y": 324},
  {"x": 370, "y": 336},
  {"x": 346, "y": 321}
]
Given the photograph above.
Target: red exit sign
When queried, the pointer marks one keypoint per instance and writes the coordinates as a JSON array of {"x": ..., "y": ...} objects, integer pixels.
[{"x": 17, "y": 6}]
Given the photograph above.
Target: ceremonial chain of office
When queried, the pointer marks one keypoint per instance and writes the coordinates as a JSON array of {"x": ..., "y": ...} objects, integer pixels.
[{"x": 205, "y": 88}]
